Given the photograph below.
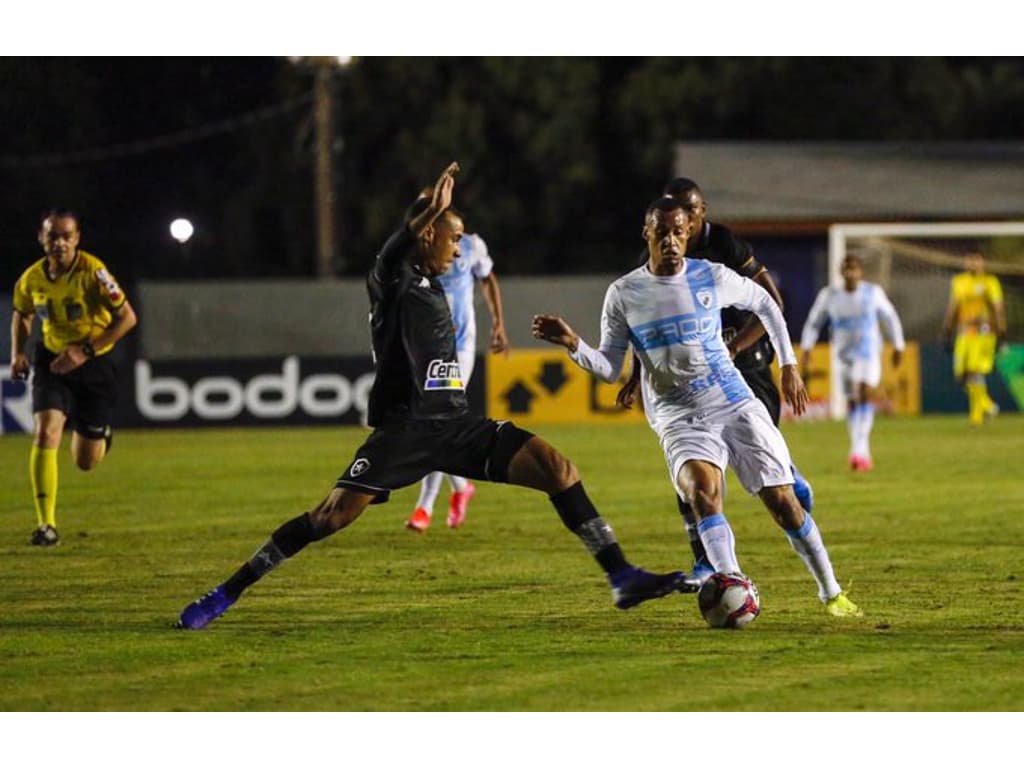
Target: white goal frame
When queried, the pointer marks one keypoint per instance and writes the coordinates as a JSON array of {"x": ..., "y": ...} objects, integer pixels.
[{"x": 838, "y": 234}]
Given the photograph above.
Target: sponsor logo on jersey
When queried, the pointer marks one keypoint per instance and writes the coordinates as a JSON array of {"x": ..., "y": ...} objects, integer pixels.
[
  {"x": 680, "y": 329},
  {"x": 443, "y": 374},
  {"x": 109, "y": 284}
]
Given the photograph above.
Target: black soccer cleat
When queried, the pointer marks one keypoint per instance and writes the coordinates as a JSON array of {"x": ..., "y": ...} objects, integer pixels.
[
  {"x": 45, "y": 536},
  {"x": 632, "y": 586}
]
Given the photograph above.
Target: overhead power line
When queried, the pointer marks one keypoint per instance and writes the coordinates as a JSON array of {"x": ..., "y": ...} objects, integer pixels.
[{"x": 156, "y": 143}]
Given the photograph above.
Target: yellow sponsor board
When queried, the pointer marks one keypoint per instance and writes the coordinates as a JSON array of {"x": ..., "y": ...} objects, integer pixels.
[
  {"x": 540, "y": 387},
  {"x": 535, "y": 386},
  {"x": 899, "y": 391}
]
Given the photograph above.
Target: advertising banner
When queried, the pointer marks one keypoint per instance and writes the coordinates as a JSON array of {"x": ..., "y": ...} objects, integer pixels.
[
  {"x": 537, "y": 387},
  {"x": 899, "y": 391}
]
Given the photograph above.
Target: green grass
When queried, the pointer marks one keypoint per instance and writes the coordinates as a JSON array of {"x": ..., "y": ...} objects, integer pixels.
[{"x": 509, "y": 612}]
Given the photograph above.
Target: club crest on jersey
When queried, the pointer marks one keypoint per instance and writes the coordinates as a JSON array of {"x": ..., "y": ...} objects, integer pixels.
[
  {"x": 705, "y": 298},
  {"x": 359, "y": 466},
  {"x": 442, "y": 374},
  {"x": 109, "y": 284}
]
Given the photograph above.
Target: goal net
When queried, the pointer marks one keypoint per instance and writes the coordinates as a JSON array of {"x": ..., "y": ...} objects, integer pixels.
[{"x": 915, "y": 263}]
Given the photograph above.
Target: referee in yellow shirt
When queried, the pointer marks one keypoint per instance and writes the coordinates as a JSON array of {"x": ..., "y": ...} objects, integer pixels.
[
  {"x": 84, "y": 313},
  {"x": 976, "y": 311}
]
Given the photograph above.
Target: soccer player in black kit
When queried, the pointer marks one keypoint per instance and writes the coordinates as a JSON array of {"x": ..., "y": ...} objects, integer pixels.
[
  {"x": 422, "y": 423},
  {"x": 742, "y": 332}
]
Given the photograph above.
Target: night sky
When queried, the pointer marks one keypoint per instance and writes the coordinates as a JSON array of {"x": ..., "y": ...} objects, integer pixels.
[{"x": 559, "y": 154}]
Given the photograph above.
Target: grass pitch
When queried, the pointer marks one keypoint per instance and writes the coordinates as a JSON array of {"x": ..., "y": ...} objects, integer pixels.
[{"x": 509, "y": 612}]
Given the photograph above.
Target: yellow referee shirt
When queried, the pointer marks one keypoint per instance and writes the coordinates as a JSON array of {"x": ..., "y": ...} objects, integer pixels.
[
  {"x": 75, "y": 307},
  {"x": 975, "y": 297}
]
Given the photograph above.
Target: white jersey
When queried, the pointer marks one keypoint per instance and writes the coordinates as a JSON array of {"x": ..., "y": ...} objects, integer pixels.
[
  {"x": 474, "y": 263},
  {"x": 854, "y": 316},
  {"x": 674, "y": 325}
]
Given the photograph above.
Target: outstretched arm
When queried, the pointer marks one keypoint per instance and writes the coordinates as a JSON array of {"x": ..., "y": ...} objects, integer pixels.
[
  {"x": 605, "y": 363},
  {"x": 813, "y": 325},
  {"x": 21, "y": 327},
  {"x": 395, "y": 249},
  {"x": 893, "y": 328},
  {"x": 439, "y": 201},
  {"x": 753, "y": 329},
  {"x": 492, "y": 298},
  {"x": 746, "y": 294}
]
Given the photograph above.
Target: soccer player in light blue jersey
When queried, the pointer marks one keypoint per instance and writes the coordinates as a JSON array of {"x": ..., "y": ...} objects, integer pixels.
[
  {"x": 854, "y": 311},
  {"x": 697, "y": 402},
  {"x": 473, "y": 264}
]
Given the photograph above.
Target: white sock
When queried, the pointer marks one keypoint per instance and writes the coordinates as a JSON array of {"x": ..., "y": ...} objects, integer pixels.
[
  {"x": 719, "y": 543},
  {"x": 457, "y": 483},
  {"x": 429, "y": 489},
  {"x": 807, "y": 543},
  {"x": 853, "y": 427},
  {"x": 867, "y": 420}
]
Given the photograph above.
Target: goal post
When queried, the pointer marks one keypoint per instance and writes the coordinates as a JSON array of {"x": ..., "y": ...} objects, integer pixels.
[{"x": 914, "y": 263}]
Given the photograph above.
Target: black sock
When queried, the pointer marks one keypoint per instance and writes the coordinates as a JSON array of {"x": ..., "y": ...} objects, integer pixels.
[
  {"x": 283, "y": 543},
  {"x": 580, "y": 517},
  {"x": 690, "y": 521}
]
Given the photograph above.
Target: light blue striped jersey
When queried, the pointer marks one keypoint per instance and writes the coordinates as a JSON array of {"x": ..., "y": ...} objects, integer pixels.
[
  {"x": 854, "y": 317},
  {"x": 674, "y": 324},
  {"x": 473, "y": 263}
]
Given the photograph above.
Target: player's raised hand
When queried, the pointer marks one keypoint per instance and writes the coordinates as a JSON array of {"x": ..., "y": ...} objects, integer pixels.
[
  {"x": 443, "y": 188},
  {"x": 793, "y": 389},
  {"x": 554, "y": 329}
]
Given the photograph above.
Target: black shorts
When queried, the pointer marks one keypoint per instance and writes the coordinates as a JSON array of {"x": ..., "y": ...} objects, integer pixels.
[
  {"x": 404, "y": 452},
  {"x": 86, "y": 395},
  {"x": 763, "y": 386}
]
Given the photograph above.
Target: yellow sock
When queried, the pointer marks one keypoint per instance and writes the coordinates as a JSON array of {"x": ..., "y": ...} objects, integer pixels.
[
  {"x": 976, "y": 397},
  {"x": 987, "y": 403},
  {"x": 42, "y": 468}
]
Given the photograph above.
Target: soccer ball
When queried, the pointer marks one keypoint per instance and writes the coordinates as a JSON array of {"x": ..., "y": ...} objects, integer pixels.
[{"x": 728, "y": 601}]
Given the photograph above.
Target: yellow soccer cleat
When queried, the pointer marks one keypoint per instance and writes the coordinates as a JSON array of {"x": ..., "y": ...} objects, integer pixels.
[{"x": 842, "y": 606}]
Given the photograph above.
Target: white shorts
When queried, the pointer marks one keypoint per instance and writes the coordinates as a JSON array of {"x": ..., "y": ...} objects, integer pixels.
[
  {"x": 859, "y": 370},
  {"x": 742, "y": 436}
]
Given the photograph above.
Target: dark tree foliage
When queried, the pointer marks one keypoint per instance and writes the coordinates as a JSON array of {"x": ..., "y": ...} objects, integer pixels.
[{"x": 558, "y": 154}]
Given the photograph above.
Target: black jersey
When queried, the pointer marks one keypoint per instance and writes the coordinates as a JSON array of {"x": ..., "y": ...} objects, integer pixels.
[
  {"x": 417, "y": 371},
  {"x": 717, "y": 243}
]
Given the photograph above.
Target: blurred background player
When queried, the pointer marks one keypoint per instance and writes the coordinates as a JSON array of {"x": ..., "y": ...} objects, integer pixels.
[
  {"x": 854, "y": 312},
  {"x": 976, "y": 311},
  {"x": 473, "y": 263},
  {"x": 704, "y": 413},
  {"x": 84, "y": 313},
  {"x": 422, "y": 423},
  {"x": 743, "y": 333}
]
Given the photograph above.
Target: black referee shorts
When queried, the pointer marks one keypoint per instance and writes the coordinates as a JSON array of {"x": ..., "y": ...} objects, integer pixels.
[
  {"x": 86, "y": 395},
  {"x": 763, "y": 386},
  {"x": 404, "y": 452}
]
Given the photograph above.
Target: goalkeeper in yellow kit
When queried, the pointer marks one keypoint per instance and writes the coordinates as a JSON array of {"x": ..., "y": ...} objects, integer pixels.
[
  {"x": 976, "y": 312},
  {"x": 84, "y": 313}
]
